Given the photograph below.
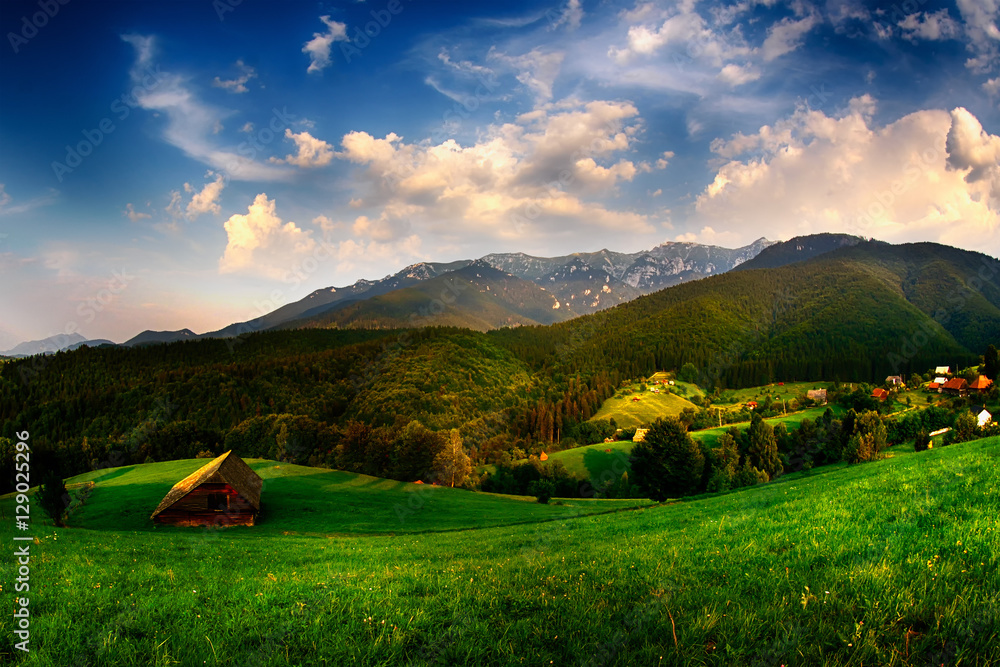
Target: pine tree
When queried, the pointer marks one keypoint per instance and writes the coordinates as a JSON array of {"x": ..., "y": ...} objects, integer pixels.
[
  {"x": 764, "y": 447},
  {"x": 667, "y": 463}
]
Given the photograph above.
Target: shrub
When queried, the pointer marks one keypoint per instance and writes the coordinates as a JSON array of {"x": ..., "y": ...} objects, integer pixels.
[{"x": 922, "y": 442}]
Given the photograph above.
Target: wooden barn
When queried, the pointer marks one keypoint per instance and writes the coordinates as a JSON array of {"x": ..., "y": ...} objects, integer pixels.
[{"x": 223, "y": 492}]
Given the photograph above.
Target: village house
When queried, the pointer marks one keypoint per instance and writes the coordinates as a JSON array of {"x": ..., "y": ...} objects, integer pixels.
[
  {"x": 894, "y": 380},
  {"x": 984, "y": 417},
  {"x": 942, "y": 370},
  {"x": 818, "y": 395},
  {"x": 940, "y": 380},
  {"x": 223, "y": 492},
  {"x": 956, "y": 387},
  {"x": 640, "y": 435},
  {"x": 880, "y": 394},
  {"x": 981, "y": 385},
  {"x": 934, "y": 386}
]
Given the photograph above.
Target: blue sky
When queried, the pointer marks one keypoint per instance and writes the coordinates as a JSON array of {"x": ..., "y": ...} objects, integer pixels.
[{"x": 191, "y": 164}]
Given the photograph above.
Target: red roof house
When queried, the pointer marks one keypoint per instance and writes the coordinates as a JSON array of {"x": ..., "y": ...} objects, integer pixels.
[
  {"x": 880, "y": 394},
  {"x": 956, "y": 387},
  {"x": 982, "y": 384}
]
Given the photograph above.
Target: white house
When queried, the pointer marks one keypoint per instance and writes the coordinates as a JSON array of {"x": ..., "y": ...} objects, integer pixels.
[
  {"x": 984, "y": 417},
  {"x": 940, "y": 380},
  {"x": 942, "y": 370}
]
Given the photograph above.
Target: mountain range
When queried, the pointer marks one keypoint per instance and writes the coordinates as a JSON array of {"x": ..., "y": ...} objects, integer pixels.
[{"x": 498, "y": 290}]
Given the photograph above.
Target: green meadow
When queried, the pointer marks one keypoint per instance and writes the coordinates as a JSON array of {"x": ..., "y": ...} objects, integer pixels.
[
  {"x": 888, "y": 563},
  {"x": 630, "y": 413}
]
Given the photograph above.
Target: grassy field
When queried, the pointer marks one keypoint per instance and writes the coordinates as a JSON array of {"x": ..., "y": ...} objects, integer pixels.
[
  {"x": 890, "y": 563},
  {"x": 787, "y": 391},
  {"x": 314, "y": 501},
  {"x": 628, "y": 413}
]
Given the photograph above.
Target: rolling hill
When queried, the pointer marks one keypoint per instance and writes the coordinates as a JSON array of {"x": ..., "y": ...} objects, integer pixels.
[{"x": 866, "y": 563}]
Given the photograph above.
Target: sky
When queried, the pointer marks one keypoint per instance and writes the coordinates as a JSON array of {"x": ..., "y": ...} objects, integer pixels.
[{"x": 197, "y": 163}]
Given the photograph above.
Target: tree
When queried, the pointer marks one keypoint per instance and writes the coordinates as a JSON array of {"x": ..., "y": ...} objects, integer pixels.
[
  {"x": 915, "y": 381},
  {"x": 922, "y": 441},
  {"x": 452, "y": 464},
  {"x": 763, "y": 451},
  {"x": 726, "y": 458},
  {"x": 667, "y": 463},
  {"x": 991, "y": 363},
  {"x": 868, "y": 439},
  {"x": 966, "y": 427},
  {"x": 688, "y": 373},
  {"x": 52, "y": 496}
]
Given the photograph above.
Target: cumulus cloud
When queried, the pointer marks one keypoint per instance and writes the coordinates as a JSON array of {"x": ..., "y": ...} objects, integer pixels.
[
  {"x": 318, "y": 47},
  {"x": 681, "y": 27},
  {"x": 928, "y": 175},
  {"x": 237, "y": 85},
  {"x": 262, "y": 243},
  {"x": 537, "y": 175},
  {"x": 928, "y": 26},
  {"x": 786, "y": 36},
  {"x": 972, "y": 148},
  {"x": 737, "y": 75},
  {"x": 311, "y": 152},
  {"x": 983, "y": 37},
  {"x": 206, "y": 200}
]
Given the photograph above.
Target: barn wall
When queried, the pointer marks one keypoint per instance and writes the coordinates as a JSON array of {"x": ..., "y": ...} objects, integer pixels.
[{"x": 230, "y": 508}]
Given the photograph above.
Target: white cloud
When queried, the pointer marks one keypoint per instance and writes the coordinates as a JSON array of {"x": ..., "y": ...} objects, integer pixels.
[
  {"x": 4, "y": 197},
  {"x": 928, "y": 26},
  {"x": 683, "y": 29},
  {"x": 992, "y": 86},
  {"x": 237, "y": 85},
  {"x": 930, "y": 175},
  {"x": 207, "y": 200},
  {"x": 318, "y": 47},
  {"x": 981, "y": 32},
  {"x": 663, "y": 161},
  {"x": 786, "y": 36},
  {"x": 134, "y": 215},
  {"x": 507, "y": 184},
  {"x": 571, "y": 16},
  {"x": 312, "y": 152},
  {"x": 737, "y": 75},
  {"x": 190, "y": 123},
  {"x": 536, "y": 69},
  {"x": 263, "y": 244},
  {"x": 247, "y": 127}
]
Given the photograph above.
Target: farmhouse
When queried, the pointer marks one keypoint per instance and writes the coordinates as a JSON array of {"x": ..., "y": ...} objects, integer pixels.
[
  {"x": 982, "y": 384},
  {"x": 880, "y": 394},
  {"x": 942, "y": 370},
  {"x": 956, "y": 387},
  {"x": 934, "y": 386},
  {"x": 640, "y": 435},
  {"x": 223, "y": 492},
  {"x": 984, "y": 417},
  {"x": 751, "y": 405},
  {"x": 894, "y": 380},
  {"x": 818, "y": 395},
  {"x": 940, "y": 380}
]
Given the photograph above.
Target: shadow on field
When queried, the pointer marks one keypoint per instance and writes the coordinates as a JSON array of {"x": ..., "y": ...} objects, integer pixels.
[
  {"x": 111, "y": 474},
  {"x": 597, "y": 461}
]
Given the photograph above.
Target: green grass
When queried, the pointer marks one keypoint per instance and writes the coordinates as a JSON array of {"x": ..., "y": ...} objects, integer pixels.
[
  {"x": 889, "y": 563},
  {"x": 314, "y": 501},
  {"x": 650, "y": 407},
  {"x": 787, "y": 391}
]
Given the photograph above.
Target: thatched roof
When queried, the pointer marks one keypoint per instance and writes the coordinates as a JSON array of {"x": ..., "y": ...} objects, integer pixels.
[{"x": 225, "y": 469}]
